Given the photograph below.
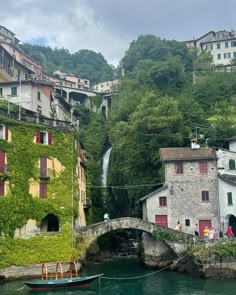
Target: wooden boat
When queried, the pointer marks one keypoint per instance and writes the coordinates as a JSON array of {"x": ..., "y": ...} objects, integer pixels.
[{"x": 62, "y": 279}]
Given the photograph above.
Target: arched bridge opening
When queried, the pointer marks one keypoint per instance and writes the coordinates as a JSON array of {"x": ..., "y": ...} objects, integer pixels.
[{"x": 91, "y": 233}]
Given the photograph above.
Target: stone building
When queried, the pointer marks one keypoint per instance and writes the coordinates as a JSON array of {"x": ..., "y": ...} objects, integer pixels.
[
  {"x": 189, "y": 194},
  {"x": 226, "y": 164}
]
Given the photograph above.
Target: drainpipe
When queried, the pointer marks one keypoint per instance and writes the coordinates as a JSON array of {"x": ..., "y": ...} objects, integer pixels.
[{"x": 218, "y": 195}]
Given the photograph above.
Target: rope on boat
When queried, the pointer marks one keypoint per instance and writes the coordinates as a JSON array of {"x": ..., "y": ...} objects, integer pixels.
[
  {"x": 19, "y": 288},
  {"x": 142, "y": 276}
]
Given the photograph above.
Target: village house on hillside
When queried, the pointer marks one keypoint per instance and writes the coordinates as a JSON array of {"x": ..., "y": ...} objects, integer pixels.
[
  {"x": 21, "y": 75},
  {"x": 226, "y": 163},
  {"x": 51, "y": 165},
  {"x": 221, "y": 45},
  {"x": 189, "y": 194}
]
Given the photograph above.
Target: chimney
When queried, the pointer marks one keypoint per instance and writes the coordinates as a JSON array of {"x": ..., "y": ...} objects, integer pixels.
[{"x": 194, "y": 144}]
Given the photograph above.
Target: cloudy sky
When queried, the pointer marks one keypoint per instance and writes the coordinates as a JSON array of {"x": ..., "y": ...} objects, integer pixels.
[{"x": 108, "y": 26}]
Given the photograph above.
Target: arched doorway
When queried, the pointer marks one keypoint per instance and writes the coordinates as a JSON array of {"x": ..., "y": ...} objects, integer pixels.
[
  {"x": 232, "y": 222},
  {"x": 50, "y": 223}
]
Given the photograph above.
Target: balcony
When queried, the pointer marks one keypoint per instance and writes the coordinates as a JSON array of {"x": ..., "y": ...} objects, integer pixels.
[{"x": 44, "y": 173}]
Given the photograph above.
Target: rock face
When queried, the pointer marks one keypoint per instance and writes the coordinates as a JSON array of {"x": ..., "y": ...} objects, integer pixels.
[
  {"x": 156, "y": 253},
  {"x": 160, "y": 254}
]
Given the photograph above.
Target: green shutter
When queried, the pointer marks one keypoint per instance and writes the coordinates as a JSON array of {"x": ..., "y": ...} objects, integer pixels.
[
  {"x": 230, "y": 199},
  {"x": 13, "y": 91},
  {"x": 231, "y": 164}
]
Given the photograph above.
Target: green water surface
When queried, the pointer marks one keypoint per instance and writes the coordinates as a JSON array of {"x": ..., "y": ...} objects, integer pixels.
[{"x": 163, "y": 283}]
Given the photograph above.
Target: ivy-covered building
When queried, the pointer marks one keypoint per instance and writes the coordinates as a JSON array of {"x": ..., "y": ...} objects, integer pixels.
[{"x": 42, "y": 192}]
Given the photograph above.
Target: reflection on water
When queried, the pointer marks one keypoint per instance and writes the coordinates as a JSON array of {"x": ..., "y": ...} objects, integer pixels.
[{"x": 163, "y": 283}]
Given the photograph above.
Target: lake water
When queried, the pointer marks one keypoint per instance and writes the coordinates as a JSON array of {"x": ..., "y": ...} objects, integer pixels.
[{"x": 163, "y": 283}]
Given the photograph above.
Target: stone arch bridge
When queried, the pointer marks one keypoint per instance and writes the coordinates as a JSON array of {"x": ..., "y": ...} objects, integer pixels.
[{"x": 90, "y": 233}]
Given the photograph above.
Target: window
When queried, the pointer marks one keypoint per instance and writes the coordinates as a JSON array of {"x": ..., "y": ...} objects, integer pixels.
[
  {"x": 231, "y": 164},
  {"x": 205, "y": 196},
  {"x": 179, "y": 168},
  {"x": 227, "y": 55},
  {"x": 39, "y": 96},
  {"x": 3, "y": 132},
  {"x": 218, "y": 45},
  {"x": 43, "y": 190},
  {"x": 1, "y": 92},
  {"x": 233, "y": 44},
  {"x": 209, "y": 47},
  {"x": 44, "y": 137},
  {"x": 13, "y": 91},
  {"x": 230, "y": 199},
  {"x": 162, "y": 202},
  {"x": 203, "y": 167},
  {"x": 39, "y": 110},
  {"x": 226, "y": 44},
  {"x": 218, "y": 56},
  {"x": 187, "y": 222}
]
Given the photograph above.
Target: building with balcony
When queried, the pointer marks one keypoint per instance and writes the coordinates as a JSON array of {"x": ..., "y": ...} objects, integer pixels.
[{"x": 226, "y": 164}]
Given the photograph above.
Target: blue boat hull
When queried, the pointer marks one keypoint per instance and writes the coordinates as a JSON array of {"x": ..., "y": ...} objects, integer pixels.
[{"x": 44, "y": 285}]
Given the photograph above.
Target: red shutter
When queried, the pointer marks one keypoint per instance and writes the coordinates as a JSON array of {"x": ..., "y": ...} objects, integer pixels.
[
  {"x": 43, "y": 190},
  {"x": 38, "y": 137},
  {"x": 43, "y": 167},
  {"x": 2, "y": 162},
  {"x": 2, "y": 192},
  {"x": 49, "y": 137},
  {"x": 6, "y": 133}
]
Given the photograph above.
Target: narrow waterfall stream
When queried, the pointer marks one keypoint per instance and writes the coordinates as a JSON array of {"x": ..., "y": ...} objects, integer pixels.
[{"x": 105, "y": 166}]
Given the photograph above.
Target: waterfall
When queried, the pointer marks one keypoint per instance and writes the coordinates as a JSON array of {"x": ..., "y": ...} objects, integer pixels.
[{"x": 105, "y": 166}]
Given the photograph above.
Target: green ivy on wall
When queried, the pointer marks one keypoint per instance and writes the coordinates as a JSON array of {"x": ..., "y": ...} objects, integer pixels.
[{"x": 18, "y": 205}]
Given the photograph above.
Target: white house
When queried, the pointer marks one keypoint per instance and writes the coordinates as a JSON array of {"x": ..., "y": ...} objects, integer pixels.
[{"x": 226, "y": 164}]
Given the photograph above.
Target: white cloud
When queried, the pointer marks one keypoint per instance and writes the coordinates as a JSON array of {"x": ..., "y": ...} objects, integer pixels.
[{"x": 73, "y": 26}]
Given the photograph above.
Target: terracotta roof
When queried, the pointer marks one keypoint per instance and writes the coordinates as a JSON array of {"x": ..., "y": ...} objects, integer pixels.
[
  {"x": 164, "y": 187},
  {"x": 185, "y": 153},
  {"x": 231, "y": 179}
]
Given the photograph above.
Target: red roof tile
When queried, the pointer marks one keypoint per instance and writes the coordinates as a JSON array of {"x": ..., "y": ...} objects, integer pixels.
[{"x": 185, "y": 153}]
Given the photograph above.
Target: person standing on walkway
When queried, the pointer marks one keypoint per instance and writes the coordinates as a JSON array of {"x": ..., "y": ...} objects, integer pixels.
[
  {"x": 196, "y": 230},
  {"x": 107, "y": 219},
  {"x": 178, "y": 226},
  {"x": 211, "y": 234},
  {"x": 206, "y": 233},
  {"x": 230, "y": 232}
]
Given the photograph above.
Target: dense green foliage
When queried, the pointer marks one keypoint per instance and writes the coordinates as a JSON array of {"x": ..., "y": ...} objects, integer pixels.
[
  {"x": 158, "y": 105},
  {"x": 84, "y": 63},
  {"x": 18, "y": 206}
]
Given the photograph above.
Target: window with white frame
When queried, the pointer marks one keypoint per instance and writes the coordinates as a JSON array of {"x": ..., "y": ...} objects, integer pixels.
[{"x": 227, "y": 55}]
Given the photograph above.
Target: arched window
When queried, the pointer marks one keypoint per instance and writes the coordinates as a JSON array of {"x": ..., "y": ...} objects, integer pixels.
[
  {"x": 231, "y": 164},
  {"x": 50, "y": 223}
]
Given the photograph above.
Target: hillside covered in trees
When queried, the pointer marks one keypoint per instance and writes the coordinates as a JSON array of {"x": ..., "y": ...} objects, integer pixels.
[
  {"x": 157, "y": 105},
  {"x": 84, "y": 63}
]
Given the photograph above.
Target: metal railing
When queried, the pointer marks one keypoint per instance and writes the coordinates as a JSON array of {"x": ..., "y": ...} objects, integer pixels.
[{"x": 36, "y": 119}]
